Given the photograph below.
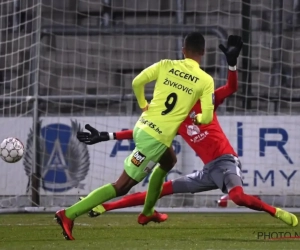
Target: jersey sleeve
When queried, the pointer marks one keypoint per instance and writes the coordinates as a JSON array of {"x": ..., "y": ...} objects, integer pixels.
[
  {"x": 207, "y": 103},
  {"x": 125, "y": 134},
  {"x": 146, "y": 76},
  {"x": 227, "y": 90}
]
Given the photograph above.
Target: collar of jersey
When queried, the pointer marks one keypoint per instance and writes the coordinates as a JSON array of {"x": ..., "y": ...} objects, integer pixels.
[{"x": 191, "y": 61}]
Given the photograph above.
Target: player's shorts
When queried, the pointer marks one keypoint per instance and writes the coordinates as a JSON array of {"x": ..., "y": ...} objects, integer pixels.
[
  {"x": 223, "y": 173},
  {"x": 145, "y": 156}
]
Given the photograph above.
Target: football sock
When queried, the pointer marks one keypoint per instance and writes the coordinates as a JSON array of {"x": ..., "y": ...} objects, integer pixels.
[
  {"x": 95, "y": 198},
  {"x": 238, "y": 196},
  {"x": 154, "y": 189},
  {"x": 136, "y": 199}
]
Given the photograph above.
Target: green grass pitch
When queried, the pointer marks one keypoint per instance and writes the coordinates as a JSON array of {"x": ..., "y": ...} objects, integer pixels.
[{"x": 121, "y": 231}]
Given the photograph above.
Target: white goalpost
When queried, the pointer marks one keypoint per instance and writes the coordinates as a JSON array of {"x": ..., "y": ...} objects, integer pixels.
[{"x": 68, "y": 63}]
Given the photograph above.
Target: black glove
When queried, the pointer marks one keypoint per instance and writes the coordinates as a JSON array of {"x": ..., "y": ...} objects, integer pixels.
[
  {"x": 92, "y": 138},
  {"x": 233, "y": 49}
]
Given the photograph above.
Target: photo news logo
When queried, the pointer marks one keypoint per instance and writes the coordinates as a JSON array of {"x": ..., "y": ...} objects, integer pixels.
[{"x": 276, "y": 235}]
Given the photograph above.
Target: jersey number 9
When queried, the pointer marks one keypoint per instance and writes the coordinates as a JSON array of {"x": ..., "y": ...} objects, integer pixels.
[{"x": 170, "y": 103}]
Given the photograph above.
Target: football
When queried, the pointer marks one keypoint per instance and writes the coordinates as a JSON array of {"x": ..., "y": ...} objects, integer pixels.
[{"x": 11, "y": 150}]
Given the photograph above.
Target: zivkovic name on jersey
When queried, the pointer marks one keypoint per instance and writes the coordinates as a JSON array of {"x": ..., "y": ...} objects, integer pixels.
[
  {"x": 178, "y": 86},
  {"x": 64, "y": 160}
]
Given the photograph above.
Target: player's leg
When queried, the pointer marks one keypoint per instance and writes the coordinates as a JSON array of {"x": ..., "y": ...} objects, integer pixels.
[
  {"x": 130, "y": 200},
  {"x": 192, "y": 183},
  {"x": 236, "y": 193},
  {"x": 151, "y": 152},
  {"x": 166, "y": 160},
  {"x": 102, "y": 194},
  {"x": 226, "y": 173},
  {"x": 196, "y": 182},
  {"x": 66, "y": 217},
  {"x": 136, "y": 199},
  {"x": 136, "y": 166},
  {"x": 239, "y": 197}
]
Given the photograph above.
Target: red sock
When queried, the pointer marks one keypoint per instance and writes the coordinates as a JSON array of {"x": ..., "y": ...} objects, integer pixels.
[
  {"x": 238, "y": 196},
  {"x": 136, "y": 199}
]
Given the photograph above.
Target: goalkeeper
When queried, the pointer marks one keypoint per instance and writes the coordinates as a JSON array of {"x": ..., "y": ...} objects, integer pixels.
[
  {"x": 213, "y": 148},
  {"x": 179, "y": 85}
]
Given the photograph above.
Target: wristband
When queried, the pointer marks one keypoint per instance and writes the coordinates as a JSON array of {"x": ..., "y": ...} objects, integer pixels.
[
  {"x": 111, "y": 136},
  {"x": 232, "y": 68}
]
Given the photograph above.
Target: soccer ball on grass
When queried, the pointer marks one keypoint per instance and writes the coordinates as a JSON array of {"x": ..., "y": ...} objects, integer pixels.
[{"x": 11, "y": 150}]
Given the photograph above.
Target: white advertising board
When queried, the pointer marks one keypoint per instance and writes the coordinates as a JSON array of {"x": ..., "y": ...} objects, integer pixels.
[{"x": 268, "y": 147}]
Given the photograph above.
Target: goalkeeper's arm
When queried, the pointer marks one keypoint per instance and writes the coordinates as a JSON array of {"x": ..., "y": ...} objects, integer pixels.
[
  {"x": 207, "y": 105},
  {"x": 227, "y": 90},
  {"x": 231, "y": 51},
  {"x": 95, "y": 136},
  {"x": 120, "y": 135}
]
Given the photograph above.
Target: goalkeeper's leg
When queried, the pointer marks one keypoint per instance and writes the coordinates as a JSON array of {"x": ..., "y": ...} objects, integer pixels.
[
  {"x": 226, "y": 174},
  {"x": 237, "y": 195},
  {"x": 192, "y": 183},
  {"x": 130, "y": 200}
]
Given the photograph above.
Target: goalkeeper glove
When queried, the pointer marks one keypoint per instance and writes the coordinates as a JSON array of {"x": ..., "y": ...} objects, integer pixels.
[
  {"x": 93, "y": 137},
  {"x": 233, "y": 49}
]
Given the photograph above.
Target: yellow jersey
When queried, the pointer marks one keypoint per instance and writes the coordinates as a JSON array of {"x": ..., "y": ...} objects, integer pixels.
[{"x": 179, "y": 85}]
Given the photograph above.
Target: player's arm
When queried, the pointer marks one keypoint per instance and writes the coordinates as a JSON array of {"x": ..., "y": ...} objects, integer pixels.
[
  {"x": 95, "y": 136},
  {"x": 138, "y": 84},
  {"x": 207, "y": 104},
  {"x": 227, "y": 90},
  {"x": 231, "y": 51},
  {"x": 122, "y": 135}
]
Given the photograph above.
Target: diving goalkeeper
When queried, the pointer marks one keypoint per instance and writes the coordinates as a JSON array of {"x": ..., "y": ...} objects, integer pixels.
[{"x": 179, "y": 85}]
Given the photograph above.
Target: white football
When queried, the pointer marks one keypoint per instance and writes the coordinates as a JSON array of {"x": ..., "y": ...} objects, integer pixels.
[{"x": 11, "y": 150}]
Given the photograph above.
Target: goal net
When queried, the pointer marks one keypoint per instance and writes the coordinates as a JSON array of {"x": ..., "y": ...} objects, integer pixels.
[{"x": 65, "y": 64}]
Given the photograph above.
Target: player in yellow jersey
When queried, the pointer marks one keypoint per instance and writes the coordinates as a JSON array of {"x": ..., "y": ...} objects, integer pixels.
[{"x": 179, "y": 85}]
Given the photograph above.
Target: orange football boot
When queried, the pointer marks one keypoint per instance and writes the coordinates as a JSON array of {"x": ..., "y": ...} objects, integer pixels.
[{"x": 155, "y": 217}]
